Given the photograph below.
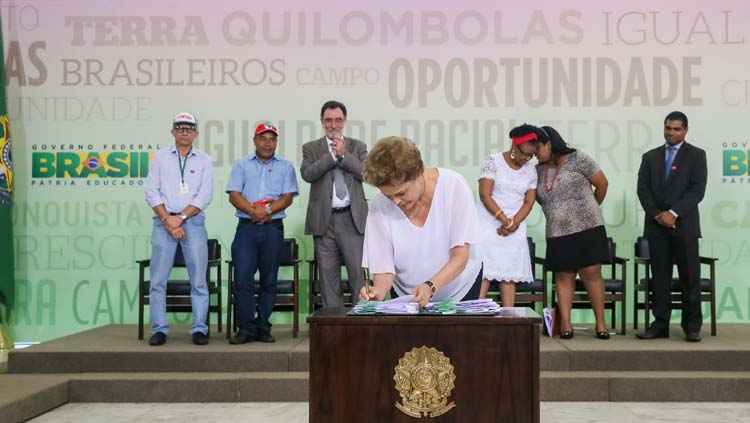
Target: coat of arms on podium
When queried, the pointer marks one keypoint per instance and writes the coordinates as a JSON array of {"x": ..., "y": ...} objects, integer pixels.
[{"x": 424, "y": 379}]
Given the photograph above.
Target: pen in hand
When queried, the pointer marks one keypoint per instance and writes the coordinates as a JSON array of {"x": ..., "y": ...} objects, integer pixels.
[{"x": 368, "y": 289}]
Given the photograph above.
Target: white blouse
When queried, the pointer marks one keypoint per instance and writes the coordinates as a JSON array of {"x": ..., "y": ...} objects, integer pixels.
[{"x": 415, "y": 254}]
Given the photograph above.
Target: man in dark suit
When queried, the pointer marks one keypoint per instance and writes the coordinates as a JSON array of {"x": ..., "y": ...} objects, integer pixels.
[
  {"x": 337, "y": 210},
  {"x": 671, "y": 183}
]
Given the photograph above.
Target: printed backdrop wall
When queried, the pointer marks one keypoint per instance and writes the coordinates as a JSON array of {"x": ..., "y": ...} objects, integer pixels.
[{"x": 92, "y": 86}]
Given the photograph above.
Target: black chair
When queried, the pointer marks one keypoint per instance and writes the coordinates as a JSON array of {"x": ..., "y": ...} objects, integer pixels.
[
  {"x": 315, "y": 299},
  {"x": 643, "y": 302},
  {"x": 287, "y": 290},
  {"x": 178, "y": 290},
  {"x": 528, "y": 294},
  {"x": 615, "y": 288}
]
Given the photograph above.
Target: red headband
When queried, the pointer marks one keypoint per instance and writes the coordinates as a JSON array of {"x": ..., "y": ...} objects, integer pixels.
[{"x": 524, "y": 138}]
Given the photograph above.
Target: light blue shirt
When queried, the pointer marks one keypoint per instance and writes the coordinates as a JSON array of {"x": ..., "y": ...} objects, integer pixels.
[
  {"x": 257, "y": 180},
  {"x": 676, "y": 147},
  {"x": 164, "y": 179}
]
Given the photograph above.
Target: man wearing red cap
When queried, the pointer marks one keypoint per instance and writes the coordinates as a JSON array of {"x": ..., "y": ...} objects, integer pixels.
[{"x": 261, "y": 186}]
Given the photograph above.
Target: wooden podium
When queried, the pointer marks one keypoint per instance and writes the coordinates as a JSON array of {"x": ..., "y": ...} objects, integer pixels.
[{"x": 490, "y": 362}]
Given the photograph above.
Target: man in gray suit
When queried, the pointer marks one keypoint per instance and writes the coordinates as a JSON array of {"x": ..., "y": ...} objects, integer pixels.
[{"x": 337, "y": 210}]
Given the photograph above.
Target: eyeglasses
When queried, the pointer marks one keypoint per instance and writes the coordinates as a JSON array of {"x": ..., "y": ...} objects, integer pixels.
[
  {"x": 184, "y": 129},
  {"x": 329, "y": 121}
]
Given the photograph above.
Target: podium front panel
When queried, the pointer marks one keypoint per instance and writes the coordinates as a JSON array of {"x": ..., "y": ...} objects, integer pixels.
[{"x": 495, "y": 361}]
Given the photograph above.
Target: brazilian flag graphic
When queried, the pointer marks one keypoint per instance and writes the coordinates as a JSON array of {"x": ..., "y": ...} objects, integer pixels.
[{"x": 7, "y": 279}]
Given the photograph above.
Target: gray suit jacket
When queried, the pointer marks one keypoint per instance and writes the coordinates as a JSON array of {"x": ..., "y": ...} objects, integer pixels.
[{"x": 317, "y": 169}]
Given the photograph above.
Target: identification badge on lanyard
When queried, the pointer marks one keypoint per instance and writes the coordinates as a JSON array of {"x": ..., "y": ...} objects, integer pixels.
[{"x": 184, "y": 189}]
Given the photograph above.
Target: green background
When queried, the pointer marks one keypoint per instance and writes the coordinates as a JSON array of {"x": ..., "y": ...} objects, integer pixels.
[{"x": 74, "y": 247}]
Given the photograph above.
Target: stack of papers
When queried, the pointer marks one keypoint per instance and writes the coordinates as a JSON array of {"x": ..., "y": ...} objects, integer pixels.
[
  {"x": 400, "y": 305},
  {"x": 481, "y": 306},
  {"x": 484, "y": 306},
  {"x": 406, "y": 305}
]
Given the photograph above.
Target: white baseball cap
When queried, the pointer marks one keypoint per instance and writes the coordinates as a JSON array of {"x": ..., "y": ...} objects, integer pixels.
[{"x": 184, "y": 118}]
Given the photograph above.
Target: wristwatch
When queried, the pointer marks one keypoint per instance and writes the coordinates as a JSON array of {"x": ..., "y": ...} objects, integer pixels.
[
  {"x": 432, "y": 286},
  {"x": 268, "y": 209},
  {"x": 183, "y": 216}
]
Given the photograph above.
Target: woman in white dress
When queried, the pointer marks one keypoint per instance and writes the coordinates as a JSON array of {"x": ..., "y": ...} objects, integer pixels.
[
  {"x": 507, "y": 190},
  {"x": 421, "y": 228}
]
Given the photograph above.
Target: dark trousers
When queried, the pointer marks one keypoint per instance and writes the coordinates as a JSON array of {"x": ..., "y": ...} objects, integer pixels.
[
  {"x": 665, "y": 252},
  {"x": 473, "y": 293},
  {"x": 256, "y": 248}
]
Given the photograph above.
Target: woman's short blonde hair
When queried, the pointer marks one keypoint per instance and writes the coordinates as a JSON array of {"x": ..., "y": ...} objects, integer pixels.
[{"x": 393, "y": 160}]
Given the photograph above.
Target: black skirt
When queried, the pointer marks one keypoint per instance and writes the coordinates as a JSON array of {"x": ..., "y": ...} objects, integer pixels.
[{"x": 576, "y": 251}]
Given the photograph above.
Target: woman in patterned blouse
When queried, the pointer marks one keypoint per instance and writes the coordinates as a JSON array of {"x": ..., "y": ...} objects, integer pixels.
[{"x": 571, "y": 186}]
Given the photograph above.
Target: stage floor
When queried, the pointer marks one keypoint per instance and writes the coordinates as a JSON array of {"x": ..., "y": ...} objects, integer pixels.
[
  {"x": 109, "y": 364},
  {"x": 551, "y": 412},
  {"x": 115, "y": 348}
]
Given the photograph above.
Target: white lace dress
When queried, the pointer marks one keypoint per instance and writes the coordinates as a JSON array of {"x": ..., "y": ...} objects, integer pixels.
[{"x": 506, "y": 258}]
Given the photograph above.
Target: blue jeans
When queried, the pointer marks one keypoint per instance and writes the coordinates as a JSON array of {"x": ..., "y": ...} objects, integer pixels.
[
  {"x": 195, "y": 251},
  {"x": 256, "y": 248}
]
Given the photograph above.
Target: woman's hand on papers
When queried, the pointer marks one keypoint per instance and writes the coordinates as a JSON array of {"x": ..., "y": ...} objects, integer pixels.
[
  {"x": 370, "y": 293},
  {"x": 422, "y": 294}
]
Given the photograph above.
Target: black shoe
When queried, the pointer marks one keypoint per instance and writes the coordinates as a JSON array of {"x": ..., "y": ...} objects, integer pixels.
[
  {"x": 602, "y": 335},
  {"x": 265, "y": 337},
  {"x": 200, "y": 338},
  {"x": 652, "y": 333},
  {"x": 568, "y": 334},
  {"x": 241, "y": 338},
  {"x": 159, "y": 338},
  {"x": 693, "y": 337}
]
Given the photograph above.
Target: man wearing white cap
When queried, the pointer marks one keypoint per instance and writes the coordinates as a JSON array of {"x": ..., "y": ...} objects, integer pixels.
[
  {"x": 179, "y": 187},
  {"x": 261, "y": 186}
]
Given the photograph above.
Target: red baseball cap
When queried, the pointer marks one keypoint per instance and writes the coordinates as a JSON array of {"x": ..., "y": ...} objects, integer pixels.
[{"x": 265, "y": 127}]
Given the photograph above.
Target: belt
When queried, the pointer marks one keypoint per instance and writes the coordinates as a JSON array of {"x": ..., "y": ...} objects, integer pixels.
[
  {"x": 274, "y": 222},
  {"x": 174, "y": 214},
  {"x": 340, "y": 209}
]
